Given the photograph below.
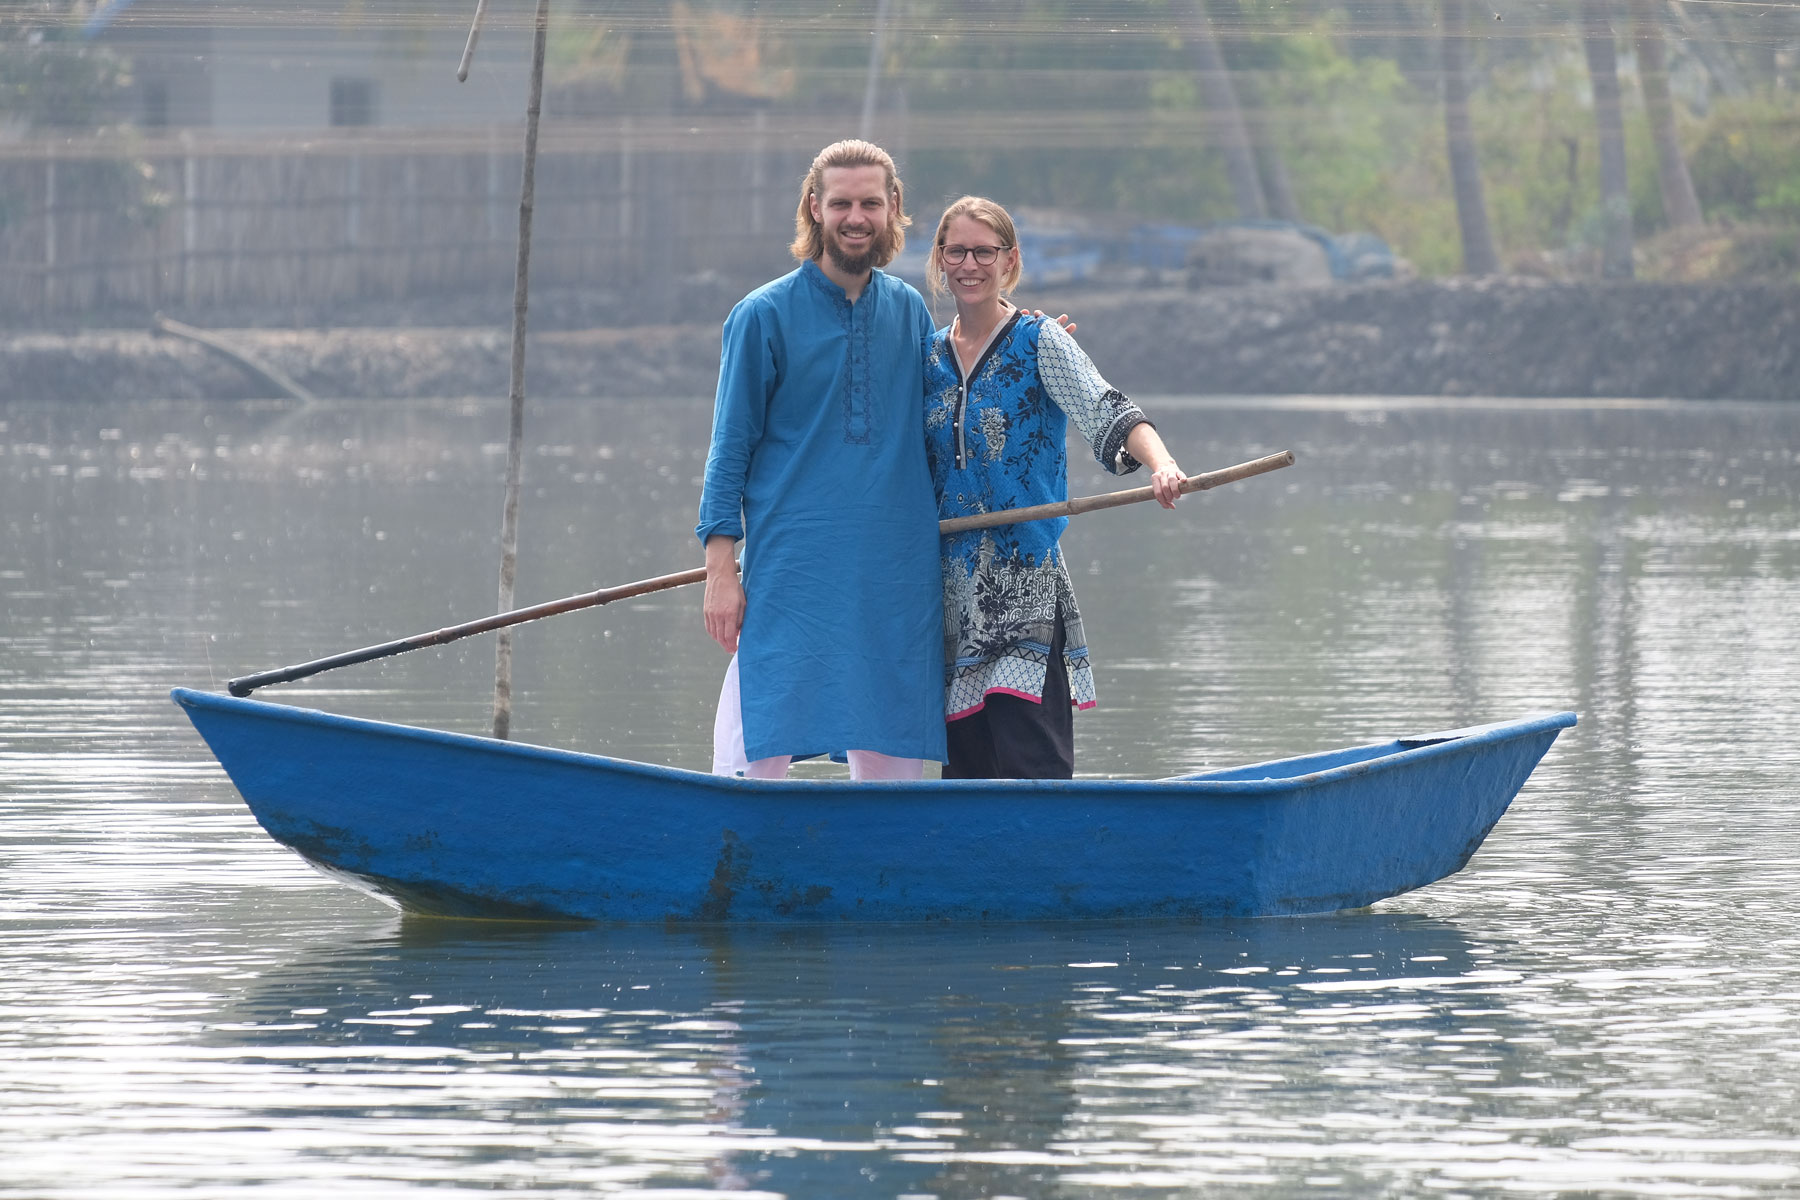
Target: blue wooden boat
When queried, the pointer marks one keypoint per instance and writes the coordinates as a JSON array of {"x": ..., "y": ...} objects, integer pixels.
[{"x": 450, "y": 825}]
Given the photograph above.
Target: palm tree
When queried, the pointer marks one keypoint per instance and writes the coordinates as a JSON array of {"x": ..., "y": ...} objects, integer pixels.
[
  {"x": 1479, "y": 257},
  {"x": 1223, "y": 116},
  {"x": 1615, "y": 194},
  {"x": 1681, "y": 206}
]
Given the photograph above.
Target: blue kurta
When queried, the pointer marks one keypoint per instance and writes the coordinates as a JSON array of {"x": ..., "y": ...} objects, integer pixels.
[{"x": 818, "y": 463}]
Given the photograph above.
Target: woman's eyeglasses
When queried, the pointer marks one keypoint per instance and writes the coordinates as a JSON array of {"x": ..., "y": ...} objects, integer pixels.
[{"x": 985, "y": 255}]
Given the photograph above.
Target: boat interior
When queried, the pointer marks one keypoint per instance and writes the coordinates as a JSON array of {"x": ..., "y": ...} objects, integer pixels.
[{"x": 1308, "y": 764}]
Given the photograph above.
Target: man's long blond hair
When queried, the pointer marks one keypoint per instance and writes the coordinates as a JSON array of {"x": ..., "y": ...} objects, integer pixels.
[{"x": 809, "y": 238}]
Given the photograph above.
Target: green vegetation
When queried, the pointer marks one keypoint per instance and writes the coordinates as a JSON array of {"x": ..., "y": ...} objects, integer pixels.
[
  {"x": 1364, "y": 147},
  {"x": 49, "y": 78},
  {"x": 1100, "y": 109},
  {"x": 1746, "y": 159},
  {"x": 52, "y": 81},
  {"x": 1345, "y": 99}
]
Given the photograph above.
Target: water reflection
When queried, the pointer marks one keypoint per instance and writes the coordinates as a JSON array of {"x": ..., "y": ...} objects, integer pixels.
[
  {"x": 824, "y": 1061},
  {"x": 1604, "y": 1000}
]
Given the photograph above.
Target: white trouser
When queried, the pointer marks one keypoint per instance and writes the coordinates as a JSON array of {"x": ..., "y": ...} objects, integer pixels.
[{"x": 728, "y": 746}]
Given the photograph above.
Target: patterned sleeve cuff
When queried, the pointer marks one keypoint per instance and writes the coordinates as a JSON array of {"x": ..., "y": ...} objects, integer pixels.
[{"x": 1111, "y": 452}]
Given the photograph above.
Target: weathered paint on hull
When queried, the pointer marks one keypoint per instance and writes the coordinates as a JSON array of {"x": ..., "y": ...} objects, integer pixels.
[{"x": 450, "y": 825}]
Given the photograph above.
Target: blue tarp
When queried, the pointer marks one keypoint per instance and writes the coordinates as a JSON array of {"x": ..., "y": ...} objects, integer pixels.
[
  {"x": 1070, "y": 255},
  {"x": 1352, "y": 256}
]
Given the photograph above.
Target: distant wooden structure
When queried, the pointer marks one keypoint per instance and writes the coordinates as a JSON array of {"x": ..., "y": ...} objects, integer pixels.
[
  {"x": 305, "y": 157},
  {"x": 273, "y": 222}
]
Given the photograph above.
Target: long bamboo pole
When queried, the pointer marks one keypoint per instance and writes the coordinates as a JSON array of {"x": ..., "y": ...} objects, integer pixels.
[
  {"x": 244, "y": 685},
  {"x": 515, "y": 451},
  {"x": 1087, "y": 504}
]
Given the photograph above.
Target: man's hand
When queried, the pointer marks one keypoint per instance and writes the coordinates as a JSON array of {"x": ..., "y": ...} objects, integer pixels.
[
  {"x": 724, "y": 604},
  {"x": 1063, "y": 319}
]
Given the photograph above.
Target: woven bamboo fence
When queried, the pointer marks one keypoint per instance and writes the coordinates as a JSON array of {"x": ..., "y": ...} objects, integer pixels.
[{"x": 271, "y": 224}]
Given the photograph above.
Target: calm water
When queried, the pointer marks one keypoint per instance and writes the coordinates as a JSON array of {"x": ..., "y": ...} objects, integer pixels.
[{"x": 1605, "y": 1003}]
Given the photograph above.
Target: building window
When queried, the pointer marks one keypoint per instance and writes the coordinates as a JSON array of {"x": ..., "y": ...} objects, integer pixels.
[
  {"x": 155, "y": 112},
  {"x": 352, "y": 102}
]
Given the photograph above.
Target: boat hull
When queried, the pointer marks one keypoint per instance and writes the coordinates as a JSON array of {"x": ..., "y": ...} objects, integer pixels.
[{"x": 450, "y": 825}]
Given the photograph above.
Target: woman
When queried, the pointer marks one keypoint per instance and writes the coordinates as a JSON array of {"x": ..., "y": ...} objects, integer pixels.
[{"x": 1001, "y": 387}]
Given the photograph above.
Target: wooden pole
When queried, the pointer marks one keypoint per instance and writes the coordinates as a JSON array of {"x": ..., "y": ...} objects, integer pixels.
[
  {"x": 190, "y": 220},
  {"x": 244, "y": 685},
  {"x": 50, "y": 290},
  {"x": 1087, "y": 504},
  {"x": 509, "y": 522},
  {"x": 468, "y": 55}
]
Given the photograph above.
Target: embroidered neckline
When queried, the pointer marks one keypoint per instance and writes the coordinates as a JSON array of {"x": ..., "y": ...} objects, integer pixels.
[{"x": 825, "y": 283}]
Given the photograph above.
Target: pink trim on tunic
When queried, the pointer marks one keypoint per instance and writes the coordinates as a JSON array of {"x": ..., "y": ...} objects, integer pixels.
[{"x": 969, "y": 712}]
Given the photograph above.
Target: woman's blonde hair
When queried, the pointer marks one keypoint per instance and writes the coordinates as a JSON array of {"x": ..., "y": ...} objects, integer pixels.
[
  {"x": 809, "y": 237},
  {"x": 982, "y": 209}
]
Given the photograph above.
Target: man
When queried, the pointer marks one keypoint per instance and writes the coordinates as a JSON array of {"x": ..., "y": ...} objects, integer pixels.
[{"x": 818, "y": 465}]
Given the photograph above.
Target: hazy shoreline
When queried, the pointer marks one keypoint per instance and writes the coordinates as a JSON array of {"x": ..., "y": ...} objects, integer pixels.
[{"x": 1488, "y": 337}]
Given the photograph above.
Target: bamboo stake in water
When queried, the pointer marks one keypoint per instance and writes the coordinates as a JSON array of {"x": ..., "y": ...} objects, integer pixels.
[
  {"x": 509, "y": 522},
  {"x": 246, "y": 684}
]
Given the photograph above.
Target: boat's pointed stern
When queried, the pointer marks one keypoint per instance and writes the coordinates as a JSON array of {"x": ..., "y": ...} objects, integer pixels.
[
  {"x": 207, "y": 711},
  {"x": 1381, "y": 827}
]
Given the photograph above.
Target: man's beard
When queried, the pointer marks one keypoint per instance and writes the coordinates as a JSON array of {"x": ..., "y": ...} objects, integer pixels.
[{"x": 880, "y": 249}]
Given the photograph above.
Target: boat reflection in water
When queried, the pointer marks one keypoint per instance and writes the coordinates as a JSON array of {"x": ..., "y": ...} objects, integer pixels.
[{"x": 838, "y": 1060}]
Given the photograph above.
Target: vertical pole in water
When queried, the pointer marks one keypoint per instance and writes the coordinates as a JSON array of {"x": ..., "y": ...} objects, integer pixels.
[
  {"x": 353, "y": 218},
  {"x": 50, "y": 232},
  {"x": 190, "y": 220},
  {"x": 509, "y": 524},
  {"x": 623, "y": 262},
  {"x": 495, "y": 215}
]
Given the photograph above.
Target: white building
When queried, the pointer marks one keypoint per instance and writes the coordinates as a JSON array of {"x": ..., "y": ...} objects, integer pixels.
[{"x": 203, "y": 64}]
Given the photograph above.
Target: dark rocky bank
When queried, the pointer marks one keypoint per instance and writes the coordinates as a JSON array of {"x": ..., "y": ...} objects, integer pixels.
[{"x": 1488, "y": 337}]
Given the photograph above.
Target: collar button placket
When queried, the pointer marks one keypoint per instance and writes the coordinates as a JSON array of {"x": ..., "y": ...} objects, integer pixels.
[{"x": 856, "y": 401}]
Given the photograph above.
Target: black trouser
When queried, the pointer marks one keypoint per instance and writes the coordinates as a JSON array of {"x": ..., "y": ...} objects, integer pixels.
[{"x": 1012, "y": 738}]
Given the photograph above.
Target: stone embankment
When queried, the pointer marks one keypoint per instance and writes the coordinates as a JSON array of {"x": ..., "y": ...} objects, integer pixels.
[{"x": 1493, "y": 337}]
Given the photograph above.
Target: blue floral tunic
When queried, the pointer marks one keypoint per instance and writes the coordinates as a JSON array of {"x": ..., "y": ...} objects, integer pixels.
[{"x": 998, "y": 443}]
